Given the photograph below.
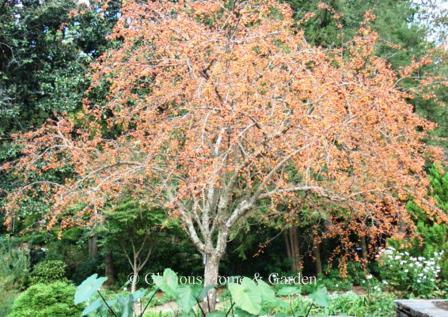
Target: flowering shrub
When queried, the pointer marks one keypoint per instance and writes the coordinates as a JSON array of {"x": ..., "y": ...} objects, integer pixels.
[{"x": 401, "y": 271}]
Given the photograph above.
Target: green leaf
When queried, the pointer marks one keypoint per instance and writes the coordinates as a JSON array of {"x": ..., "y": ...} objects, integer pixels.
[
  {"x": 94, "y": 306},
  {"x": 88, "y": 288},
  {"x": 185, "y": 298},
  {"x": 204, "y": 292},
  {"x": 138, "y": 294},
  {"x": 216, "y": 314},
  {"x": 238, "y": 312},
  {"x": 267, "y": 293},
  {"x": 320, "y": 297},
  {"x": 167, "y": 283},
  {"x": 157, "y": 279},
  {"x": 126, "y": 304},
  {"x": 288, "y": 291},
  {"x": 246, "y": 296}
]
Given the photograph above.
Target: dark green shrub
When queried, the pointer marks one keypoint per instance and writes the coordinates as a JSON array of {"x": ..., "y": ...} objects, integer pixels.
[
  {"x": 7, "y": 297},
  {"x": 87, "y": 268},
  {"x": 45, "y": 300},
  {"x": 14, "y": 265},
  {"x": 48, "y": 271}
]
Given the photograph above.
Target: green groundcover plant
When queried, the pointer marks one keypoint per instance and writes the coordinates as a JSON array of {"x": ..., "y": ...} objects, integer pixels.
[{"x": 46, "y": 300}]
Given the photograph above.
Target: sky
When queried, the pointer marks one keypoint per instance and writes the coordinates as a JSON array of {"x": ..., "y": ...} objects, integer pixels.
[{"x": 437, "y": 9}]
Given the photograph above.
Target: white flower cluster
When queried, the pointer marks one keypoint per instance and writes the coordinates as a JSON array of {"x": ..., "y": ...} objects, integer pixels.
[{"x": 403, "y": 269}]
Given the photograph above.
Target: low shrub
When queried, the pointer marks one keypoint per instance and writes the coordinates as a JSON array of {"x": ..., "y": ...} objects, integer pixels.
[
  {"x": 351, "y": 304},
  {"x": 48, "y": 271},
  {"x": 337, "y": 284},
  {"x": 44, "y": 300},
  {"x": 333, "y": 282}
]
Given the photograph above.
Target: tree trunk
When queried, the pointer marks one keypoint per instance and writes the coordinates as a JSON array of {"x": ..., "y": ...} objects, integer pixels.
[
  {"x": 364, "y": 249},
  {"x": 293, "y": 249},
  {"x": 287, "y": 244},
  {"x": 211, "y": 272},
  {"x": 135, "y": 276},
  {"x": 109, "y": 268},
  {"x": 317, "y": 258},
  {"x": 93, "y": 245},
  {"x": 134, "y": 281},
  {"x": 365, "y": 253}
]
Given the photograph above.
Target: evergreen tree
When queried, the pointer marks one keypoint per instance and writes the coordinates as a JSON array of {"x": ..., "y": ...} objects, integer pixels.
[
  {"x": 46, "y": 47},
  {"x": 406, "y": 32}
]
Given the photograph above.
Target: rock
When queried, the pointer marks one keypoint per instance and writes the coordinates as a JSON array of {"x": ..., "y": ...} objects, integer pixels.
[{"x": 422, "y": 308}]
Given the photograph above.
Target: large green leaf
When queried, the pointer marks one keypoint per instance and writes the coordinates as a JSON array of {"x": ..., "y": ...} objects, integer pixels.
[
  {"x": 288, "y": 291},
  {"x": 246, "y": 296},
  {"x": 238, "y": 312},
  {"x": 204, "y": 292},
  {"x": 216, "y": 314},
  {"x": 185, "y": 298},
  {"x": 88, "y": 288},
  {"x": 320, "y": 297},
  {"x": 267, "y": 293},
  {"x": 167, "y": 283},
  {"x": 126, "y": 305},
  {"x": 138, "y": 294},
  {"x": 94, "y": 306}
]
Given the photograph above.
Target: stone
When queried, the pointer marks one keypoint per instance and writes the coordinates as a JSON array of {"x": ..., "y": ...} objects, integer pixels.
[{"x": 422, "y": 308}]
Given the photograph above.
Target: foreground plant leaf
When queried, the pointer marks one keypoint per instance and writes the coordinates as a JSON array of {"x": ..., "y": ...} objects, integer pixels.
[
  {"x": 185, "y": 298},
  {"x": 320, "y": 297},
  {"x": 88, "y": 288},
  {"x": 94, "y": 306},
  {"x": 168, "y": 282},
  {"x": 246, "y": 296}
]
